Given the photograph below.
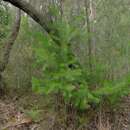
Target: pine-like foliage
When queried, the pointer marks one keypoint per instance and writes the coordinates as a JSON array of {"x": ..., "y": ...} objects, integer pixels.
[{"x": 63, "y": 73}]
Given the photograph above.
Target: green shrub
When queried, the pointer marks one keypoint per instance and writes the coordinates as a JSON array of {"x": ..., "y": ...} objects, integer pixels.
[{"x": 62, "y": 72}]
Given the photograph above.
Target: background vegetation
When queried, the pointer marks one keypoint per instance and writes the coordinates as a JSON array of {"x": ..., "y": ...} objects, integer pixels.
[{"x": 81, "y": 66}]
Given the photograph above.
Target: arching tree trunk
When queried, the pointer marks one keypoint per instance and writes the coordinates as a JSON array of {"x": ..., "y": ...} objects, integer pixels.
[
  {"x": 31, "y": 11},
  {"x": 9, "y": 43}
]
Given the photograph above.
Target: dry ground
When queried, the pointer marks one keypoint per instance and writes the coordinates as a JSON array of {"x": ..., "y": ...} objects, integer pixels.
[{"x": 34, "y": 112}]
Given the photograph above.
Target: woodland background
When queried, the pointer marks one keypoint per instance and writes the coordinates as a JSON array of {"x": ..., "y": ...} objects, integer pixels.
[{"x": 74, "y": 66}]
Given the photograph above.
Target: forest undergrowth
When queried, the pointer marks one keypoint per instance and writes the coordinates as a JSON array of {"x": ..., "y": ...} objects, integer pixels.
[{"x": 28, "y": 112}]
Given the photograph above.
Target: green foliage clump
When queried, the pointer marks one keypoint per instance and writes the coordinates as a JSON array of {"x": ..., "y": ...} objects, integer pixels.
[
  {"x": 62, "y": 73},
  {"x": 4, "y": 20},
  {"x": 33, "y": 114}
]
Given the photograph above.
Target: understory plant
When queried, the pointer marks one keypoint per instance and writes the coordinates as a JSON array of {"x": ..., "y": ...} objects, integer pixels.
[{"x": 61, "y": 71}]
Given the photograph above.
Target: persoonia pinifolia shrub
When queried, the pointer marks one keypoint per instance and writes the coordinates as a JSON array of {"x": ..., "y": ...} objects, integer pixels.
[{"x": 62, "y": 72}]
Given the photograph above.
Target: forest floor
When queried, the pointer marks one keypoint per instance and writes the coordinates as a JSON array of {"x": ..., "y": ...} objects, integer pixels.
[
  {"x": 27, "y": 112},
  {"x": 35, "y": 112}
]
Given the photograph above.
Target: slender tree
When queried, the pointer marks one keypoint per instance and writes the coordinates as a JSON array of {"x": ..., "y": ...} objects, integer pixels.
[
  {"x": 87, "y": 8},
  {"x": 9, "y": 43}
]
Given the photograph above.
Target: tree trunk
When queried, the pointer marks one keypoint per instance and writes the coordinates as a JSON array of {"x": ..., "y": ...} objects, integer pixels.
[
  {"x": 88, "y": 11},
  {"x": 31, "y": 11},
  {"x": 9, "y": 43}
]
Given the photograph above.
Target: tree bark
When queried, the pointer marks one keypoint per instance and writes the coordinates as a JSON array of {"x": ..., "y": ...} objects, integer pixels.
[
  {"x": 87, "y": 8},
  {"x": 9, "y": 43},
  {"x": 31, "y": 11}
]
